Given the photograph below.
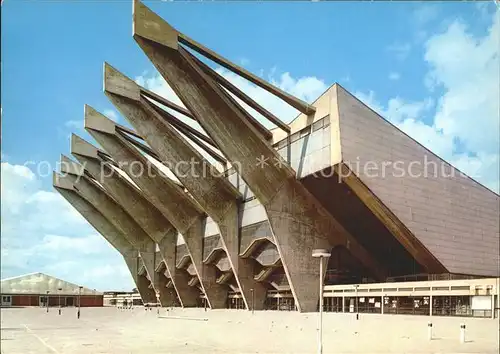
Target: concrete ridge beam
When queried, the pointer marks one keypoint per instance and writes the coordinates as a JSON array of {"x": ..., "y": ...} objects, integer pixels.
[
  {"x": 223, "y": 82},
  {"x": 150, "y": 26}
]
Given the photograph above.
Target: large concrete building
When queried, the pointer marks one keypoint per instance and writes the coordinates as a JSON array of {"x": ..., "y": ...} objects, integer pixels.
[{"x": 224, "y": 212}]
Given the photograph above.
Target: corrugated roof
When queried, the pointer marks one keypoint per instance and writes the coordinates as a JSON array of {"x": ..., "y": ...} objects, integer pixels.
[{"x": 40, "y": 283}]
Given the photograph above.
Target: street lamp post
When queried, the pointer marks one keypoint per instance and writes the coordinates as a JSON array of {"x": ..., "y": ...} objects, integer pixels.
[
  {"x": 253, "y": 300},
  {"x": 79, "y": 300},
  {"x": 357, "y": 307},
  {"x": 47, "y": 299},
  {"x": 60, "y": 289},
  {"x": 320, "y": 253}
]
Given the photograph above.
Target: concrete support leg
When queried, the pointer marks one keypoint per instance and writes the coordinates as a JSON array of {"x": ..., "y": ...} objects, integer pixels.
[
  {"x": 188, "y": 296},
  {"x": 216, "y": 293},
  {"x": 244, "y": 268},
  {"x": 148, "y": 294},
  {"x": 149, "y": 260},
  {"x": 168, "y": 296},
  {"x": 141, "y": 282}
]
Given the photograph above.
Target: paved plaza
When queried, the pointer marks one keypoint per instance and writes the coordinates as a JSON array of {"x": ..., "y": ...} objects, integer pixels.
[{"x": 110, "y": 330}]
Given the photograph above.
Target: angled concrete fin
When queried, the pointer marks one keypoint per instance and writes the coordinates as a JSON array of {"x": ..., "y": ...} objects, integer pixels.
[
  {"x": 149, "y": 260},
  {"x": 58, "y": 181},
  {"x": 70, "y": 166},
  {"x": 117, "y": 83},
  {"x": 150, "y": 26},
  {"x": 188, "y": 295},
  {"x": 148, "y": 295},
  {"x": 97, "y": 121},
  {"x": 81, "y": 147}
]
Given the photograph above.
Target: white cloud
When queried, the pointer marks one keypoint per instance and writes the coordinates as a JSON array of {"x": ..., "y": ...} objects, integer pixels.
[
  {"x": 394, "y": 76},
  {"x": 400, "y": 50},
  {"x": 41, "y": 232},
  {"x": 111, "y": 114},
  {"x": 464, "y": 123},
  {"x": 467, "y": 68},
  {"x": 74, "y": 124},
  {"x": 425, "y": 13},
  {"x": 244, "y": 61},
  {"x": 91, "y": 244}
]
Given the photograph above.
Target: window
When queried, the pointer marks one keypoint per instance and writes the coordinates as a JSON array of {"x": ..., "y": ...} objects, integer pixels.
[
  {"x": 5, "y": 298},
  {"x": 317, "y": 125},
  {"x": 304, "y": 132}
]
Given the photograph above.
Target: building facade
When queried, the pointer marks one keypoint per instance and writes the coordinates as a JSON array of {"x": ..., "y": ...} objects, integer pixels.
[{"x": 209, "y": 207}]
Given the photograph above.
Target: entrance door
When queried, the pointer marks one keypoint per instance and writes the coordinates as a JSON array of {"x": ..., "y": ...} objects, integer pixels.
[
  {"x": 70, "y": 301},
  {"x": 6, "y": 300}
]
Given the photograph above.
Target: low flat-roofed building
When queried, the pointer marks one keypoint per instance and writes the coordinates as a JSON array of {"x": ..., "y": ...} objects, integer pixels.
[
  {"x": 36, "y": 289},
  {"x": 122, "y": 298}
]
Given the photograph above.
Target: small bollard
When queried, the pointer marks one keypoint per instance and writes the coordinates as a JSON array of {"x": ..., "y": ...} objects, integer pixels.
[
  {"x": 78, "y": 314},
  {"x": 429, "y": 330},
  {"x": 59, "y": 310},
  {"x": 462, "y": 333},
  {"x": 357, "y": 316}
]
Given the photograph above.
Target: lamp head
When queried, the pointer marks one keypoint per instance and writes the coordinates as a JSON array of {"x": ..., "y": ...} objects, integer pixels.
[{"x": 320, "y": 253}]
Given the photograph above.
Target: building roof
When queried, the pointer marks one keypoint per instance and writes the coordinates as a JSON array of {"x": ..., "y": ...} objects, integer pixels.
[{"x": 39, "y": 283}]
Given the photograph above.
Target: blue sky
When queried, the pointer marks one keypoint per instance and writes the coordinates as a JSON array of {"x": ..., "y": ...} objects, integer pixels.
[{"x": 432, "y": 69}]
